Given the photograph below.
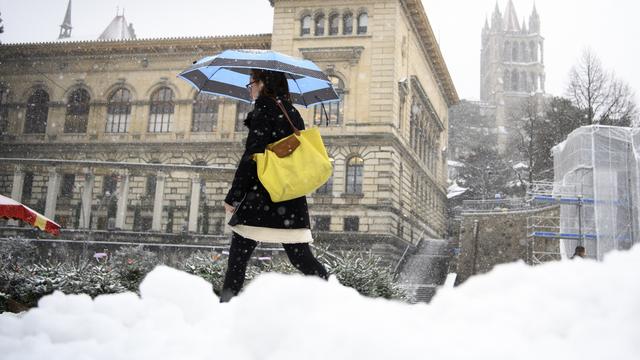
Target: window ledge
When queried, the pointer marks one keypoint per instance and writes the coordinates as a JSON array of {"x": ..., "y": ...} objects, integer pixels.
[{"x": 356, "y": 196}]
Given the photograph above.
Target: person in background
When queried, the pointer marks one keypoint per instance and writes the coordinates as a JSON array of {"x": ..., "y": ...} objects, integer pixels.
[{"x": 579, "y": 252}]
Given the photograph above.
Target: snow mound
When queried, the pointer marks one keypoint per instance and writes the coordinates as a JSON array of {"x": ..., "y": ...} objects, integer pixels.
[{"x": 576, "y": 309}]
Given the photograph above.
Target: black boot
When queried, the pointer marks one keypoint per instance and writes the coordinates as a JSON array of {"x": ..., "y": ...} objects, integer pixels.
[{"x": 226, "y": 295}]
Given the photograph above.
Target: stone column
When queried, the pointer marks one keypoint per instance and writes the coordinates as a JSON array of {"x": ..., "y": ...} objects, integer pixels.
[
  {"x": 156, "y": 224},
  {"x": 16, "y": 189},
  {"x": 194, "y": 205},
  {"x": 52, "y": 194},
  {"x": 123, "y": 192},
  {"x": 87, "y": 197}
]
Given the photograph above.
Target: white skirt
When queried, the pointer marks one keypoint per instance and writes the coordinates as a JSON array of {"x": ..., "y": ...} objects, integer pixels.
[{"x": 270, "y": 235}]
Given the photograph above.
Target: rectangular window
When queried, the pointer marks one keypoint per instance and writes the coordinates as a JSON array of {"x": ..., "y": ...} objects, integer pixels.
[
  {"x": 351, "y": 223},
  {"x": 27, "y": 186},
  {"x": 151, "y": 185},
  {"x": 322, "y": 223},
  {"x": 68, "y": 183}
]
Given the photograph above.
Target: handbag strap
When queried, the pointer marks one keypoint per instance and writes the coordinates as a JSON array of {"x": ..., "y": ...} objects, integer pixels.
[{"x": 286, "y": 114}]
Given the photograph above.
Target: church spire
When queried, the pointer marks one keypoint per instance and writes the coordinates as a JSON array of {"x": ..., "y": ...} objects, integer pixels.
[
  {"x": 496, "y": 19},
  {"x": 511, "y": 18},
  {"x": 534, "y": 20},
  {"x": 65, "y": 28}
]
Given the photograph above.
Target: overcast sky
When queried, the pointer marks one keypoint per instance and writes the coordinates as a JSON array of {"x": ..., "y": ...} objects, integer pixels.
[{"x": 610, "y": 28}]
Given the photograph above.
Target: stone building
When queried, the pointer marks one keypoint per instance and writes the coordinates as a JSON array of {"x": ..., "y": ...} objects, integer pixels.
[{"x": 101, "y": 134}]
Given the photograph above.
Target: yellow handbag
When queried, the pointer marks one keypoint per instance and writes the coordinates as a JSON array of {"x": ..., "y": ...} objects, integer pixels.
[{"x": 294, "y": 166}]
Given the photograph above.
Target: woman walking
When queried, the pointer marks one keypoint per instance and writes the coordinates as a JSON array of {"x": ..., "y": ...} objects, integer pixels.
[{"x": 251, "y": 214}]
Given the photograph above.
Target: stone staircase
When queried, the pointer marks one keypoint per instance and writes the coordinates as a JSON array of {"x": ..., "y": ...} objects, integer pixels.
[{"x": 425, "y": 270}]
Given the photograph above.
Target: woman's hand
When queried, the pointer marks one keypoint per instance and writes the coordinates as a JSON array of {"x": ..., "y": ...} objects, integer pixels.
[{"x": 229, "y": 208}]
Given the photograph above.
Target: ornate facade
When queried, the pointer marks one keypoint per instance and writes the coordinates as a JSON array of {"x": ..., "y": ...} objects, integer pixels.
[{"x": 102, "y": 135}]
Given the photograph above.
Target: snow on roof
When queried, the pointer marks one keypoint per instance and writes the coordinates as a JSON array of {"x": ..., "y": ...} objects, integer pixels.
[
  {"x": 455, "y": 190},
  {"x": 498, "y": 314},
  {"x": 454, "y": 163},
  {"x": 520, "y": 166},
  {"x": 118, "y": 29}
]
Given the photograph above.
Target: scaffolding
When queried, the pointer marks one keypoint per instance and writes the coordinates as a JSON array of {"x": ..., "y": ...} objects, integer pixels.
[
  {"x": 546, "y": 235},
  {"x": 597, "y": 188}
]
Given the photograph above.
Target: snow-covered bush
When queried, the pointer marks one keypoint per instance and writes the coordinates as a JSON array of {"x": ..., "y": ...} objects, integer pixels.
[
  {"x": 209, "y": 266},
  {"x": 366, "y": 274},
  {"x": 16, "y": 253},
  {"x": 132, "y": 264},
  {"x": 28, "y": 284}
]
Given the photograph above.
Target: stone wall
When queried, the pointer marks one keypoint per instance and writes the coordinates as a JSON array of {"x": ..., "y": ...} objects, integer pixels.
[{"x": 489, "y": 239}]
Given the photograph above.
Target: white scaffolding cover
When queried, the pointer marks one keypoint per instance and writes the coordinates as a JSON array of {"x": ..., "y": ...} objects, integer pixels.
[{"x": 601, "y": 166}]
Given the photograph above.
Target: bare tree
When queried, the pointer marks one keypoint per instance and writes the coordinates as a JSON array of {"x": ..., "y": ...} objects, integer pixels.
[{"x": 603, "y": 97}]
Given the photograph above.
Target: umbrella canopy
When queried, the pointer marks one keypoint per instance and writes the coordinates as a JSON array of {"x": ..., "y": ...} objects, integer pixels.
[
  {"x": 12, "y": 209},
  {"x": 228, "y": 73}
]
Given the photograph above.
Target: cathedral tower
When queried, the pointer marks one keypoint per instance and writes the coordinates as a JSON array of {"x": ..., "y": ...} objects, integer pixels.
[{"x": 512, "y": 61}]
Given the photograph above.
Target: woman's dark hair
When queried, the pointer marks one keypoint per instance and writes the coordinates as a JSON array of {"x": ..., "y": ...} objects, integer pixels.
[{"x": 275, "y": 83}]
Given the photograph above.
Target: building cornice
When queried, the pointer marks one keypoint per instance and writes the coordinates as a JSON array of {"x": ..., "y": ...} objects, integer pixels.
[
  {"x": 114, "y": 47},
  {"x": 416, "y": 13}
]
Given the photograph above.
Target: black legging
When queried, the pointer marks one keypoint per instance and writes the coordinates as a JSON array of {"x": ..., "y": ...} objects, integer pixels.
[{"x": 240, "y": 252}]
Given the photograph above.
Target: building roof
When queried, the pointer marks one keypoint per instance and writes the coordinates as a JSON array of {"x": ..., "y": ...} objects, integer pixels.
[
  {"x": 194, "y": 45},
  {"x": 118, "y": 29},
  {"x": 430, "y": 45}
]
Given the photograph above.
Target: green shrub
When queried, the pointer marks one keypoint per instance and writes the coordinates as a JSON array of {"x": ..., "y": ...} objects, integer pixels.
[
  {"x": 132, "y": 264},
  {"x": 209, "y": 266}
]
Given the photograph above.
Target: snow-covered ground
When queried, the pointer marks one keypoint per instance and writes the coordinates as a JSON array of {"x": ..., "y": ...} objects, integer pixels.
[{"x": 565, "y": 310}]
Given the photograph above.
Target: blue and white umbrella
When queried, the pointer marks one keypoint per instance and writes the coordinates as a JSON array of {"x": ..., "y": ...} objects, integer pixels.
[{"x": 228, "y": 73}]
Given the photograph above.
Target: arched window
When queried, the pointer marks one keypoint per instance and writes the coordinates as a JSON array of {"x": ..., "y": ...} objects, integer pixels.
[
  {"x": 242, "y": 111},
  {"x": 514, "y": 52},
  {"x": 37, "y": 113},
  {"x": 205, "y": 113},
  {"x": 523, "y": 52},
  {"x": 335, "y": 110},
  {"x": 161, "y": 110},
  {"x": 118, "y": 111},
  {"x": 334, "y": 24},
  {"x": 327, "y": 188},
  {"x": 533, "y": 50},
  {"x": 77, "y": 112},
  {"x": 319, "y": 25},
  {"x": 363, "y": 23},
  {"x": 347, "y": 24},
  {"x": 515, "y": 80},
  {"x": 305, "y": 25},
  {"x": 524, "y": 84},
  {"x": 507, "y": 80},
  {"x": 4, "y": 110},
  {"x": 355, "y": 167},
  {"x": 507, "y": 51}
]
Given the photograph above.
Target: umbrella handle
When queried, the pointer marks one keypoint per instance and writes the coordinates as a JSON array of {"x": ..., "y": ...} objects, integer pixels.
[{"x": 286, "y": 114}]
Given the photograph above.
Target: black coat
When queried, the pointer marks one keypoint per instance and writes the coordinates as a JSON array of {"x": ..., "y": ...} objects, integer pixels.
[{"x": 253, "y": 205}]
